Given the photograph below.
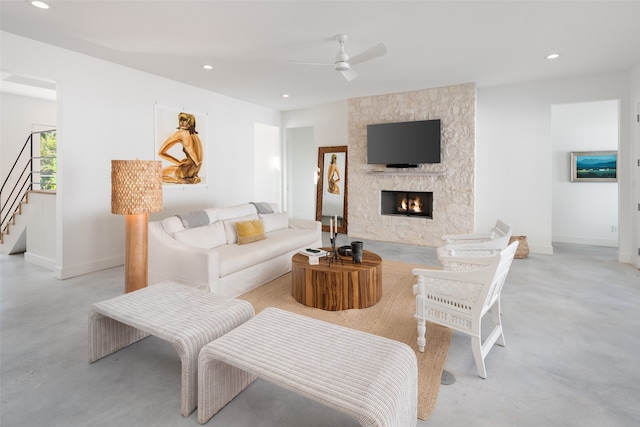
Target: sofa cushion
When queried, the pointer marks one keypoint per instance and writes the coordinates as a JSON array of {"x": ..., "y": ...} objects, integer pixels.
[
  {"x": 175, "y": 223},
  {"x": 274, "y": 221},
  {"x": 234, "y": 258},
  {"x": 250, "y": 231},
  {"x": 205, "y": 237},
  {"x": 172, "y": 225},
  {"x": 230, "y": 226},
  {"x": 236, "y": 211}
]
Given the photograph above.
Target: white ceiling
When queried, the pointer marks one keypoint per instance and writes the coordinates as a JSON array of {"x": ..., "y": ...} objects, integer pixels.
[{"x": 253, "y": 45}]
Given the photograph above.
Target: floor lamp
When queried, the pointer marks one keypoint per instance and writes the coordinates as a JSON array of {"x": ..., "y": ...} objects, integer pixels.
[{"x": 136, "y": 191}]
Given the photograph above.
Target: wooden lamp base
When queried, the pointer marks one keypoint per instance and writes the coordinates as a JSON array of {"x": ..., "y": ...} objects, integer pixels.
[{"x": 136, "y": 247}]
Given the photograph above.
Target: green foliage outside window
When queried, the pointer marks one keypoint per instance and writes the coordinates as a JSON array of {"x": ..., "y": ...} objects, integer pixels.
[{"x": 48, "y": 161}]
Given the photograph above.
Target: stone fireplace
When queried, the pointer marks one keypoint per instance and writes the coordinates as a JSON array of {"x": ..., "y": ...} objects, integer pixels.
[
  {"x": 407, "y": 203},
  {"x": 450, "y": 183}
]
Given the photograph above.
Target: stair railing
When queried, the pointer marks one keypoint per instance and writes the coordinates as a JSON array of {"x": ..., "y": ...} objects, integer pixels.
[{"x": 23, "y": 181}]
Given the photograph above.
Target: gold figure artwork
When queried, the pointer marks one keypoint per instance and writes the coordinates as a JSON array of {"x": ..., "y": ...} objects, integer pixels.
[
  {"x": 333, "y": 176},
  {"x": 183, "y": 171}
]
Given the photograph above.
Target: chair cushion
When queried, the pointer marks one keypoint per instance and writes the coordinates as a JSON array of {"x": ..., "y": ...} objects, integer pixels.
[{"x": 250, "y": 231}]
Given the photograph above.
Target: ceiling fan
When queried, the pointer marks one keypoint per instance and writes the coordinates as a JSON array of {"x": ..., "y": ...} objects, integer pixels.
[{"x": 343, "y": 62}]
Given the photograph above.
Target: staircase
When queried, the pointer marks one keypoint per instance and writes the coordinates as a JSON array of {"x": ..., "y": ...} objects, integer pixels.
[
  {"x": 13, "y": 239},
  {"x": 14, "y": 196}
]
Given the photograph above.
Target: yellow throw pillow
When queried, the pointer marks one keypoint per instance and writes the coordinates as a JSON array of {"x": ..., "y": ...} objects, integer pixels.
[{"x": 250, "y": 231}]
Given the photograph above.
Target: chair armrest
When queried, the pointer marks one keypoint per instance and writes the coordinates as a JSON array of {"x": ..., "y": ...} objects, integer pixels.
[{"x": 463, "y": 285}]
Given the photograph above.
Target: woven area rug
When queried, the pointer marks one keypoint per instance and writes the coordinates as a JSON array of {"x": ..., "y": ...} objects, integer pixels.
[{"x": 391, "y": 317}]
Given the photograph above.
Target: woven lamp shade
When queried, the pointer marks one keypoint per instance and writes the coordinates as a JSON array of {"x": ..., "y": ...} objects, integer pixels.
[{"x": 136, "y": 186}]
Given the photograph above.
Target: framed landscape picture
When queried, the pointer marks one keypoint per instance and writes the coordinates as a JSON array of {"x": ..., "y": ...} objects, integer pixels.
[{"x": 594, "y": 166}]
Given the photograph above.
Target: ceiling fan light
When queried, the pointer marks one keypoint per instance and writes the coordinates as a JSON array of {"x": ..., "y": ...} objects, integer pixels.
[{"x": 342, "y": 66}]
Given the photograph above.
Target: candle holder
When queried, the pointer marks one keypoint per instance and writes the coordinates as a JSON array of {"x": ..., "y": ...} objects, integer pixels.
[{"x": 334, "y": 252}]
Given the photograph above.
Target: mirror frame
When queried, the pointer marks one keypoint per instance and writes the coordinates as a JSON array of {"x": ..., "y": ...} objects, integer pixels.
[{"x": 322, "y": 153}]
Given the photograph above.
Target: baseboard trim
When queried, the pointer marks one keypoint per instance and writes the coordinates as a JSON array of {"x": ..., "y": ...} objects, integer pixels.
[
  {"x": 79, "y": 270},
  {"x": 49, "y": 264},
  {"x": 589, "y": 241}
]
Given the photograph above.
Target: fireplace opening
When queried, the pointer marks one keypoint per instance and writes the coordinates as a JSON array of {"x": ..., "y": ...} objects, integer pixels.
[{"x": 407, "y": 203}]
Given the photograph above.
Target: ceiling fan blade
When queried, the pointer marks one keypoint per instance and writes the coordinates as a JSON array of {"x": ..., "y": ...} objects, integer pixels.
[
  {"x": 312, "y": 63},
  {"x": 350, "y": 74},
  {"x": 373, "y": 53}
]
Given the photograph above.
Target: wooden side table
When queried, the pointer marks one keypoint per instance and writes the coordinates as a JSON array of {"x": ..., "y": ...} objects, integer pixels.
[{"x": 337, "y": 286}]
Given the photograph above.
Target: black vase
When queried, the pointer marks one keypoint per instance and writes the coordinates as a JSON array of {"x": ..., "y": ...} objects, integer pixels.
[{"x": 356, "y": 252}]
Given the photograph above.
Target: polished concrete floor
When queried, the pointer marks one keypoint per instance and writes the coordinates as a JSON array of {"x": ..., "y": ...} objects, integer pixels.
[{"x": 572, "y": 329}]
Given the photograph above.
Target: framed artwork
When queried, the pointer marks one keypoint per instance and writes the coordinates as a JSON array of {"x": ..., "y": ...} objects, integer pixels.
[
  {"x": 331, "y": 190},
  {"x": 180, "y": 143},
  {"x": 594, "y": 166}
]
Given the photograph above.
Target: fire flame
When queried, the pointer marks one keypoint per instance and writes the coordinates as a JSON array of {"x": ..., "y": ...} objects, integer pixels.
[
  {"x": 417, "y": 206},
  {"x": 412, "y": 205}
]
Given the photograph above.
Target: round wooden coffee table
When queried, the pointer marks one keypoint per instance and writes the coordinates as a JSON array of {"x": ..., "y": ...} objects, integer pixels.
[{"x": 337, "y": 286}]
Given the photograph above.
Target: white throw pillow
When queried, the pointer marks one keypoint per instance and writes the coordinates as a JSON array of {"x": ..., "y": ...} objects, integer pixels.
[
  {"x": 230, "y": 227},
  {"x": 172, "y": 225},
  {"x": 213, "y": 217},
  {"x": 205, "y": 237},
  {"x": 275, "y": 221}
]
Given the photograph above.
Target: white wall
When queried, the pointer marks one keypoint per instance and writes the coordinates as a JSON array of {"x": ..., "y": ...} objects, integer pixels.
[
  {"x": 514, "y": 147},
  {"x": 105, "y": 112},
  {"x": 583, "y": 212},
  {"x": 329, "y": 122},
  {"x": 301, "y": 172},
  {"x": 267, "y": 165},
  {"x": 634, "y": 161}
]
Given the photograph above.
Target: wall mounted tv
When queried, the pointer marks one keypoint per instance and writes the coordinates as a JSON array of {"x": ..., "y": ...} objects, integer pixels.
[{"x": 403, "y": 145}]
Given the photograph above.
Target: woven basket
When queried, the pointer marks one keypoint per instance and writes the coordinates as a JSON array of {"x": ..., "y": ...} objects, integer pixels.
[{"x": 523, "y": 246}]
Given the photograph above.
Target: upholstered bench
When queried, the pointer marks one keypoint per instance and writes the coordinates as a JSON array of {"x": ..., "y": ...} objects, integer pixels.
[
  {"x": 187, "y": 317},
  {"x": 371, "y": 378}
]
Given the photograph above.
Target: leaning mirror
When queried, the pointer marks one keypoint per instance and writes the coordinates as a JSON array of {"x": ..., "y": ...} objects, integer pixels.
[{"x": 331, "y": 194}]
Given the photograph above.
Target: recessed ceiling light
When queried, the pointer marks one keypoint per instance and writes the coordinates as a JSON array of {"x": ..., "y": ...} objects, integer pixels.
[
  {"x": 207, "y": 67},
  {"x": 285, "y": 95},
  {"x": 40, "y": 4},
  {"x": 553, "y": 56}
]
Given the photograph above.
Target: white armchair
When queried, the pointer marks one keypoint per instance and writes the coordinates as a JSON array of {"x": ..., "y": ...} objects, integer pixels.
[
  {"x": 461, "y": 249},
  {"x": 500, "y": 229},
  {"x": 459, "y": 299}
]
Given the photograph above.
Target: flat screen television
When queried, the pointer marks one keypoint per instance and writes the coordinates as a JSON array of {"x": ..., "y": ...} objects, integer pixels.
[{"x": 405, "y": 144}]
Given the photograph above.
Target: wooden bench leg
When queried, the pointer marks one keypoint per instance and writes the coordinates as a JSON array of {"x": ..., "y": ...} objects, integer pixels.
[{"x": 218, "y": 384}]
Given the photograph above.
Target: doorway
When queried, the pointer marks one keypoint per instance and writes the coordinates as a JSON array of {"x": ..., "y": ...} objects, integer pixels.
[
  {"x": 302, "y": 172},
  {"x": 584, "y": 212}
]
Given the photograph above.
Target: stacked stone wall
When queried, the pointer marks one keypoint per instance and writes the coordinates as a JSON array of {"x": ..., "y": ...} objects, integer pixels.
[{"x": 451, "y": 181}]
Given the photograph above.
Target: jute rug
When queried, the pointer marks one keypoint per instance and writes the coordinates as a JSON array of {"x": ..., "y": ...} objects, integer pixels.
[{"x": 392, "y": 317}]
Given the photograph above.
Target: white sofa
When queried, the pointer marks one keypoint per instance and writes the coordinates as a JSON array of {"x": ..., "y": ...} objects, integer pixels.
[{"x": 207, "y": 255}]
